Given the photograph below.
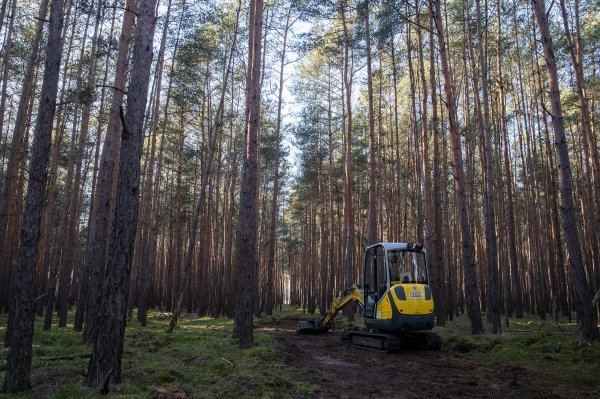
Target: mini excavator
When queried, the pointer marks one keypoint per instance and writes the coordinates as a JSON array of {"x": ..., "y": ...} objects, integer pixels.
[{"x": 395, "y": 299}]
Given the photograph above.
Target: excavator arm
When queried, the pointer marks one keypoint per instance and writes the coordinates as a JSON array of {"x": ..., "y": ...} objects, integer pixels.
[{"x": 324, "y": 323}]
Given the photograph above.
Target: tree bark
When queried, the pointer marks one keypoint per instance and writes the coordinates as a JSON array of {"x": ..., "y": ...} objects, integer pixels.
[
  {"x": 247, "y": 229},
  {"x": 347, "y": 131},
  {"x": 517, "y": 299},
  {"x": 587, "y": 323},
  {"x": 105, "y": 363},
  {"x": 492, "y": 291},
  {"x": 274, "y": 205},
  {"x": 437, "y": 255},
  {"x": 19, "y": 356},
  {"x": 74, "y": 205},
  {"x": 6, "y": 65},
  {"x": 373, "y": 170},
  {"x": 150, "y": 198},
  {"x": 100, "y": 223},
  {"x": 574, "y": 45},
  {"x": 214, "y": 135},
  {"x": 8, "y": 198},
  {"x": 471, "y": 290},
  {"x": 80, "y": 313}
]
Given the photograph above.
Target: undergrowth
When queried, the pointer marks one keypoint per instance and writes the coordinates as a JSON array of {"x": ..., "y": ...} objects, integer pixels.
[
  {"x": 548, "y": 351},
  {"x": 524, "y": 339},
  {"x": 201, "y": 359}
]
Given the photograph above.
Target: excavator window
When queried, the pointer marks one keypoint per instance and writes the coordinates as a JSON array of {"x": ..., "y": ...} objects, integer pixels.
[
  {"x": 407, "y": 267},
  {"x": 381, "y": 273},
  {"x": 375, "y": 279},
  {"x": 370, "y": 283},
  {"x": 405, "y": 278},
  {"x": 395, "y": 277}
]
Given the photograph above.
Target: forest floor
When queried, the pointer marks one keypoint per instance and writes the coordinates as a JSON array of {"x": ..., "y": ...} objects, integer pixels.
[{"x": 531, "y": 359}]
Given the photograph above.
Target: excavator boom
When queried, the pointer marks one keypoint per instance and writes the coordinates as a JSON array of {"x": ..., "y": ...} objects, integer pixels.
[{"x": 324, "y": 323}]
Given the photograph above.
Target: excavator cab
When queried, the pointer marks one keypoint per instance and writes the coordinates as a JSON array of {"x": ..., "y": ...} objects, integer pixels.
[
  {"x": 396, "y": 293},
  {"x": 395, "y": 298}
]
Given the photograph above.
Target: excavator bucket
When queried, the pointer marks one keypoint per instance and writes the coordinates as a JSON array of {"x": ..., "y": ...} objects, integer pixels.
[{"x": 306, "y": 327}]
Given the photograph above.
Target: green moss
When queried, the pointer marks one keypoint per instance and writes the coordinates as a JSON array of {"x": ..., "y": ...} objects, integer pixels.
[
  {"x": 304, "y": 387},
  {"x": 200, "y": 358},
  {"x": 71, "y": 391}
]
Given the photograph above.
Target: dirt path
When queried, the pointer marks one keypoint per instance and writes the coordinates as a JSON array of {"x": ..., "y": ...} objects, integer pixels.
[{"x": 331, "y": 369}]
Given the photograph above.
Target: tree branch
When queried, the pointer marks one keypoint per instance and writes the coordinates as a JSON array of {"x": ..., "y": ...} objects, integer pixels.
[{"x": 113, "y": 87}]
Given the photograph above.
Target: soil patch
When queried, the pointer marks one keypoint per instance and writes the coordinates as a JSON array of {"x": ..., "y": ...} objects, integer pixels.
[{"x": 325, "y": 367}]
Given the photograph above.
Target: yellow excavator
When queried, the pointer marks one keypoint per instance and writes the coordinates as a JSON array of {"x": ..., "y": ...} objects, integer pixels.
[{"x": 395, "y": 299}]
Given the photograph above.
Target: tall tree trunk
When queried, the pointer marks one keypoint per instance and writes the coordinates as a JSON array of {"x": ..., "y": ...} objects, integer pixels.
[
  {"x": 574, "y": 45},
  {"x": 100, "y": 223},
  {"x": 471, "y": 290},
  {"x": 373, "y": 205},
  {"x": 150, "y": 198},
  {"x": 437, "y": 255},
  {"x": 347, "y": 131},
  {"x": 8, "y": 197},
  {"x": 74, "y": 206},
  {"x": 6, "y": 65},
  {"x": 428, "y": 214},
  {"x": 517, "y": 299},
  {"x": 274, "y": 201},
  {"x": 492, "y": 285},
  {"x": 105, "y": 362},
  {"x": 414, "y": 186},
  {"x": 247, "y": 228},
  {"x": 19, "y": 356},
  {"x": 330, "y": 171},
  {"x": 587, "y": 323},
  {"x": 61, "y": 122},
  {"x": 214, "y": 135},
  {"x": 84, "y": 278}
]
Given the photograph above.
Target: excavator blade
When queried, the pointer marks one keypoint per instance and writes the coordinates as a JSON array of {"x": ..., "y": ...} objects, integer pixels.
[{"x": 306, "y": 327}]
